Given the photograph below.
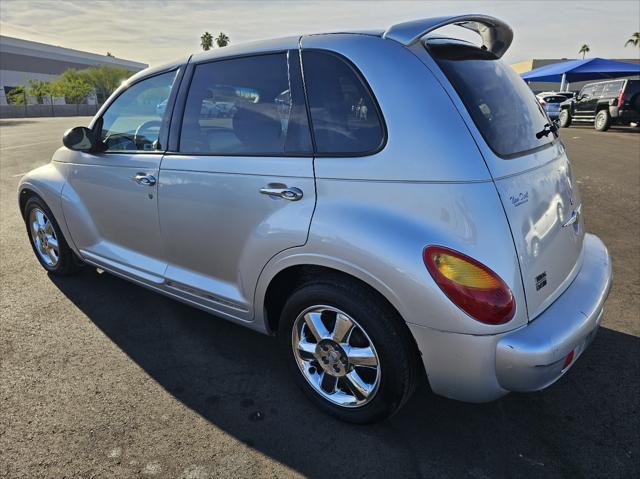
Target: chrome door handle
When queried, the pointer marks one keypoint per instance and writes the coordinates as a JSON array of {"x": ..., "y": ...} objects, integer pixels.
[
  {"x": 291, "y": 194},
  {"x": 144, "y": 179}
]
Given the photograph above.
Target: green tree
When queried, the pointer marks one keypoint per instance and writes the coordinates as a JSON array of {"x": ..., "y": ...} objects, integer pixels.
[
  {"x": 73, "y": 85},
  {"x": 584, "y": 49},
  {"x": 17, "y": 95},
  {"x": 105, "y": 79},
  {"x": 634, "y": 40},
  {"x": 206, "y": 41},
  {"x": 39, "y": 89},
  {"x": 222, "y": 40}
]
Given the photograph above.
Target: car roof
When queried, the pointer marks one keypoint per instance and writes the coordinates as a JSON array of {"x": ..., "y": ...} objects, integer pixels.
[{"x": 494, "y": 33}]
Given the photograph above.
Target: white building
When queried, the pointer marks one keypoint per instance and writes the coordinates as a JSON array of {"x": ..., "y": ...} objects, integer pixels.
[{"x": 23, "y": 60}]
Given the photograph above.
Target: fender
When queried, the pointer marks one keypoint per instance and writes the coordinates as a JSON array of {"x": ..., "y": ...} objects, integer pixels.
[
  {"x": 47, "y": 182},
  {"x": 383, "y": 236}
]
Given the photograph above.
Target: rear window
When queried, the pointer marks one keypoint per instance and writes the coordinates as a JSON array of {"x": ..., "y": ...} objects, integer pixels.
[
  {"x": 500, "y": 103},
  {"x": 555, "y": 99}
]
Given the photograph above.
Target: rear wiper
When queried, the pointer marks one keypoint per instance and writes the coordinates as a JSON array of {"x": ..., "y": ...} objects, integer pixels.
[{"x": 548, "y": 128}]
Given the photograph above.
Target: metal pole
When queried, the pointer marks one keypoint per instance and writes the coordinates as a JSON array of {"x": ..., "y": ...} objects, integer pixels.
[{"x": 563, "y": 82}]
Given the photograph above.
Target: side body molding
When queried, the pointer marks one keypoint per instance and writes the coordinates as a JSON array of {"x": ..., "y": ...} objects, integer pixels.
[{"x": 496, "y": 35}]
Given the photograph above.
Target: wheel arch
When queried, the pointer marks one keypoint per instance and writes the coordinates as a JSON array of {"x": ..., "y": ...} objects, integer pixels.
[
  {"x": 282, "y": 276},
  {"x": 24, "y": 195},
  {"x": 292, "y": 276},
  {"x": 46, "y": 183}
]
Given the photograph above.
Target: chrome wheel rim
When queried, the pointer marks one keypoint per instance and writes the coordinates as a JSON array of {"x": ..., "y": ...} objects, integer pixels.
[
  {"x": 600, "y": 120},
  {"x": 44, "y": 237},
  {"x": 336, "y": 356}
]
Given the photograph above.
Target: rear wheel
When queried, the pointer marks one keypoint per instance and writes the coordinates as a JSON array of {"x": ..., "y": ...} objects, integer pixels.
[
  {"x": 47, "y": 241},
  {"x": 565, "y": 118},
  {"x": 602, "y": 121},
  {"x": 348, "y": 351}
]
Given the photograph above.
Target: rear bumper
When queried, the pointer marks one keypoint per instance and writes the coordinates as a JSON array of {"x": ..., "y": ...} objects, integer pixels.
[
  {"x": 624, "y": 116},
  {"x": 533, "y": 357},
  {"x": 483, "y": 368}
]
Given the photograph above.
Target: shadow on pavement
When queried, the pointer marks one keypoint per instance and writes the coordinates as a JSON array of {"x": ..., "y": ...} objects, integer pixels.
[
  {"x": 585, "y": 425},
  {"x": 15, "y": 122}
]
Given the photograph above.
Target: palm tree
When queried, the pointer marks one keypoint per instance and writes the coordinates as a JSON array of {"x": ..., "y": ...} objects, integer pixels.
[
  {"x": 206, "y": 41},
  {"x": 634, "y": 40},
  {"x": 222, "y": 40},
  {"x": 584, "y": 49}
]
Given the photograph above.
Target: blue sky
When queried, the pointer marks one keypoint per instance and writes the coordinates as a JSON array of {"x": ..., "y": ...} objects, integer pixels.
[{"x": 155, "y": 31}]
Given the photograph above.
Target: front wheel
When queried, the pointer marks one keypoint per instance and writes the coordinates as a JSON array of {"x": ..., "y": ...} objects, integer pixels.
[
  {"x": 602, "y": 121},
  {"x": 348, "y": 351},
  {"x": 565, "y": 119},
  {"x": 47, "y": 241}
]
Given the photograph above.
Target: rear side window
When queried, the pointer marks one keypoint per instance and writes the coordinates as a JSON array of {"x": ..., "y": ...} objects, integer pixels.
[
  {"x": 611, "y": 90},
  {"x": 500, "y": 103},
  {"x": 345, "y": 117},
  {"x": 247, "y": 106}
]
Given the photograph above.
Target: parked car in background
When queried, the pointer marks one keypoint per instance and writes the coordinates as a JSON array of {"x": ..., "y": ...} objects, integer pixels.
[
  {"x": 378, "y": 239},
  {"x": 566, "y": 94},
  {"x": 605, "y": 103},
  {"x": 551, "y": 104}
]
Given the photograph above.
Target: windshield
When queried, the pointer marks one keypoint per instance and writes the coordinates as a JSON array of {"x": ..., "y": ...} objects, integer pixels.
[{"x": 500, "y": 103}]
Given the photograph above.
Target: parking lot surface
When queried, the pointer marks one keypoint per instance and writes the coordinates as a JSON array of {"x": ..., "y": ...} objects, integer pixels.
[{"x": 101, "y": 378}]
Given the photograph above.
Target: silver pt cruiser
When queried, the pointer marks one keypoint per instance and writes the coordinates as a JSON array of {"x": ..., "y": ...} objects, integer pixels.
[{"x": 389, "y": 203}]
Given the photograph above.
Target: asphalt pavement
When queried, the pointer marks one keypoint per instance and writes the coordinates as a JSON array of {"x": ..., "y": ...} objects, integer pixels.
[{"x": 101, "y": 378}]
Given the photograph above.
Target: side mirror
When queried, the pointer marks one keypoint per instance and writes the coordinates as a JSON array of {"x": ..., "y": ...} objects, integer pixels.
[{"x": 79, "y": 138}]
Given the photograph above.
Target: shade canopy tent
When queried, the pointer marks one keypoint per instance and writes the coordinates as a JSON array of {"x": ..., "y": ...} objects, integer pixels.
[{"x": 581, "y": 70}]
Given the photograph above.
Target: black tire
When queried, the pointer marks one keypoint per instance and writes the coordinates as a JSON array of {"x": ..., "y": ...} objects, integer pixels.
[
  {"x": 397, "y": 353},
  {"x": 564, "y": 118},
  {"x": 602, "y": 121},
  {"x": 67, "y": 263}
]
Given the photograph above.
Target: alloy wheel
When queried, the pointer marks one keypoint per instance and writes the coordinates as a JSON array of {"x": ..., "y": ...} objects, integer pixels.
[
  {"x": 336, "y": 356},
  {"x": 44, "y": 237}
]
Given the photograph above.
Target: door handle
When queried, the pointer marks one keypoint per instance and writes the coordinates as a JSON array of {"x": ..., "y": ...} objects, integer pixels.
[
  {"x": 144, "y": 179},
  {"x": 291, "y": 194}
]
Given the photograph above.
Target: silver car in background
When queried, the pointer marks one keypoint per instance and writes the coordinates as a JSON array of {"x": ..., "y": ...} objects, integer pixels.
[
  {"x": 388, "y": 203},
  {"x": 551, "y": 104}
]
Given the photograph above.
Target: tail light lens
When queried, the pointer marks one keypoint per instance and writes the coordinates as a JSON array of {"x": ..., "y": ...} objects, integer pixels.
[
  {"x": 620, "y": 98},
  {"x": 470, "y": 285}
]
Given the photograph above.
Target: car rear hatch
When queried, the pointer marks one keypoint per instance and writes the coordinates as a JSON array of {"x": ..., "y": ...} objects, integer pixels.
[
  {"x": 552, "y": 103},
  {"x": 528, "y": 164}
]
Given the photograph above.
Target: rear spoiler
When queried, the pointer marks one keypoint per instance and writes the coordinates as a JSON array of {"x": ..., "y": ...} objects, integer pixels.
[{"x": 496, "y": 35}]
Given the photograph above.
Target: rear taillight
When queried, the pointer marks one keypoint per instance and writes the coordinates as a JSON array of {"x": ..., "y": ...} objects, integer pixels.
[
  {"x": 620, "y": 98},
  {"x": 471, "y": 286},
  {"x": 543, "y": 103}
]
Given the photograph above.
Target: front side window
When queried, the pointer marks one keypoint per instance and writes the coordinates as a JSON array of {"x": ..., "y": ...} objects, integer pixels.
[
  {"x": 586, "y": 93},
  {"x": 344, "y": 115},
  {"x": 132, "y": 122},
  {"x": 245, "y": 106}
]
